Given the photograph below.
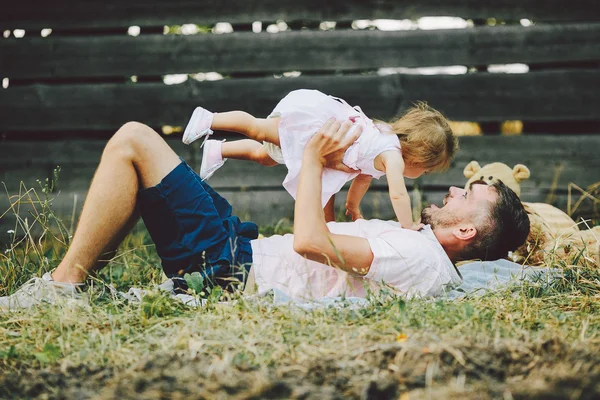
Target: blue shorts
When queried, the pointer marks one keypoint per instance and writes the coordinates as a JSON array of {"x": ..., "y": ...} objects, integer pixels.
[{"x": 193, "y": 229}]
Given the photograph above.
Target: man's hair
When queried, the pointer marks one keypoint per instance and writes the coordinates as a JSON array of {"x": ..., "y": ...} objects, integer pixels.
[{"x": 501, "y": 228}]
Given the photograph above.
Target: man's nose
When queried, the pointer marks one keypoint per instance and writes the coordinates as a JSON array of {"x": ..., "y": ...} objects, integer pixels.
[{"x": 456, "y": 191}]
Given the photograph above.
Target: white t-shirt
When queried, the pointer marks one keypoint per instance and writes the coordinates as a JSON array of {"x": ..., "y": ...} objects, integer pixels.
[{"x": 410, "y": 262}]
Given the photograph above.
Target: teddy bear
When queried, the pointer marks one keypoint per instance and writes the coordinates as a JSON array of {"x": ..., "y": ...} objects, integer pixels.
[
  {"x": 490, "y": 173},
  {"x": 553, "y": 233}
]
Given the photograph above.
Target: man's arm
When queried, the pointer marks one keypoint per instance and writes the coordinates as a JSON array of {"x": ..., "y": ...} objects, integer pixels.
[{"x": 312, "y": 238}]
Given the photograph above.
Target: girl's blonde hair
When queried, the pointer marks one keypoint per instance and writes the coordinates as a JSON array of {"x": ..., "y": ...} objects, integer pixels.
[{"x": 426, "y": 138}]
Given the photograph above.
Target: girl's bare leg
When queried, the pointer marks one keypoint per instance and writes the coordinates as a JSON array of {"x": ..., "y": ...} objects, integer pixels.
[
  {"x": 247, "y": 149},
  {"x": 329, "y": 210},
  {"x": 261, "y": 130}
]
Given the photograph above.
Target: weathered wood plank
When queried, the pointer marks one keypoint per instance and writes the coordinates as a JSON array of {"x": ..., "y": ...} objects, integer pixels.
[
  {"x": 102, "y": 56},
  {"x": 265, "y": 208},
  {"x": 572, "y": 158},
  {"x": 544, "y": 95},
  {"x": 498, "y": 97},
  {"x": 74, "y": 153},
  {"x": 256, "y": 191},
  {"x": 249, "y": 206},
  {"x": 108, "y": 106},
  {"x": 23, "y": 177},
  {"x": 94, "y": 14}
]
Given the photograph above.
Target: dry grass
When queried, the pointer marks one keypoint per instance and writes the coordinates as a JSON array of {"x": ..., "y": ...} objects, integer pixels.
[
  {"x": 536, "y": 340},
  {"x": 556, "y": 237}
]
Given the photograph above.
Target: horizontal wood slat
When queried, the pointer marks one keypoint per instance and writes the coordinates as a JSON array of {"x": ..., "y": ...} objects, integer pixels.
[
  {"x": 568, "y": 158},
  {"x": 96, "y": 13},
  {"x": 264, "y": 208},
  {"x": 249, "y": 206},
  {"x": 544, "y": 95},
  {"x": 103, "y": 56},
  {"x": 256, "y": 192},
  {"x": 572, "y": 158}
]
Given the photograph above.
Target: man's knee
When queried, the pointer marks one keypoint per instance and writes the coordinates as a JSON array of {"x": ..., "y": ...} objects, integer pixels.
[
  {"x": 125, "y": 140},
  {"x": 134, "y": 131}
]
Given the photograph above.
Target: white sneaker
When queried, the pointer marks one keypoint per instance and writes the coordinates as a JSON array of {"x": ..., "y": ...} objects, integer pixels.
[
  {"x": 38, "y": 291},
  {"x": 198, "y": 126},
  {"x": 212, "y": 158}
]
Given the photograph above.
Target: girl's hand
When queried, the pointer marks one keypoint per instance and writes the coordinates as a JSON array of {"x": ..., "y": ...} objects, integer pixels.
[
  {"x": 354, "y": 213},
  {"x": 416, "y": 226}
]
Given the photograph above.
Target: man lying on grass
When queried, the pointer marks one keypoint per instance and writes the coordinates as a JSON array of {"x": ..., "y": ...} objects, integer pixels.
[{"x": 194, "y": 229}]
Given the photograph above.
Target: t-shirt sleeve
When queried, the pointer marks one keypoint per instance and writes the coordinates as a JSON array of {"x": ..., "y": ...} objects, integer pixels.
[{"x": 404, "y": 265}]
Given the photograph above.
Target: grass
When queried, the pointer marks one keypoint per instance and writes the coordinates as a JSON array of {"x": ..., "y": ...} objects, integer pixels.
[{"x": 540, "y": 339}]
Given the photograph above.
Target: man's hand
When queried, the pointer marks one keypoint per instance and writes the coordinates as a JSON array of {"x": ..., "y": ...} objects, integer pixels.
[
  {"x": 330, "y": 143},
  {"x": 312, "y": 238}
]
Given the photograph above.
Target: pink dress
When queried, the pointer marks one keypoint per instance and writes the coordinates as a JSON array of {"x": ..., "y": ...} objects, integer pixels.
[{"x": 302, "y": 113}]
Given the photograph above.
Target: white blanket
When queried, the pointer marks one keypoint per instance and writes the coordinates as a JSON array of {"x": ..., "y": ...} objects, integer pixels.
[{"x": 479, "y": 278}]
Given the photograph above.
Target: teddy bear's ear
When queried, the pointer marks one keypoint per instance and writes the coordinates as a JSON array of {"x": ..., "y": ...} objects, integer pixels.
[
  {"x": 471, "y": 169},
  {"x": 521, "y": 172}
]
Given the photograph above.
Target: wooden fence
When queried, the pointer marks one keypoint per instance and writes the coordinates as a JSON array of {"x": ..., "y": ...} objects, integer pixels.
[{"x": 67, "y": 92}]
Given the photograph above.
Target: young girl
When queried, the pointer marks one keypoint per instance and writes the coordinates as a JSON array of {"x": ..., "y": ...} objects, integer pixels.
[{"x": 419, "y": 142}]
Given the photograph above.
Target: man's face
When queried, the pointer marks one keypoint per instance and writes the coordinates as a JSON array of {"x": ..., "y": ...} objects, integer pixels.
[{"x": 459, "y": 205}]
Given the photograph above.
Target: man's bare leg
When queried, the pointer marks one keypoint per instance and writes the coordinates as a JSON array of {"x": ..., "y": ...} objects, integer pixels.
[{"x": 135, "y": 157}]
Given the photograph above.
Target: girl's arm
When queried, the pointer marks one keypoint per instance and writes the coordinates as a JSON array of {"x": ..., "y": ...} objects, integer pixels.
[
  {"x": 358, "y": 188},
  {"x": 393, "y": 165}
]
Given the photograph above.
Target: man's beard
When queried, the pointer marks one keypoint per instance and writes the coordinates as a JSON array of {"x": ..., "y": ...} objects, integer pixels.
[
  {"x": 438, "y": 218},
  {"x": 426, "y": 217}
]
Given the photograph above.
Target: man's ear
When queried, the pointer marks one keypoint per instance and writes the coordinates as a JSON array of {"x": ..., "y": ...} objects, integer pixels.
[{"x": 465, "y": 232}]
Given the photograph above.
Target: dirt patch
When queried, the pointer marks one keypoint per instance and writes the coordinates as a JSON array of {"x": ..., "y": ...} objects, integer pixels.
[{"x": 460, "y": 370}]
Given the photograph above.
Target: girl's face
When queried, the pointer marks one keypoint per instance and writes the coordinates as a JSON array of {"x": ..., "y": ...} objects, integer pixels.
[{"x": 413, "y": 172}]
